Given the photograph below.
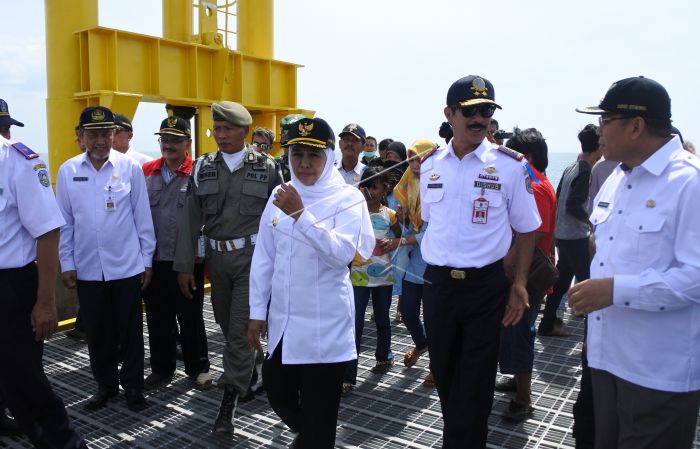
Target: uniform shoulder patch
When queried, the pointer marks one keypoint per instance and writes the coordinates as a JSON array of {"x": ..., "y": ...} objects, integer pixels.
[
  {"x": 511, "y": 153},
  {"x": 429, "y": 154},
  {"x": 24, "y": 150}
]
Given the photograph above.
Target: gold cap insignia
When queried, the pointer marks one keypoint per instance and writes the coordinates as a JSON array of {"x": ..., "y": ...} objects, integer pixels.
[
  {"x": 352, "y": 127},
  {"x": 305, "y": 128},
  {"x": 651, "y": 204},
  {"x": 98, "y": 115},
  {"x": 479, "y": 87},
  {"x": 490, "y": 170},
  {"x": 172, "y": 121}
]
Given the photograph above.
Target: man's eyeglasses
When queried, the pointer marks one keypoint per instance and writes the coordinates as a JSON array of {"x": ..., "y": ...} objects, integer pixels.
[
  {"x": 262, "y": 146},
  {"x": 485, "y": 109},
  {"x": 168, "y": 141},
  {"x": 605, "y": 120}
]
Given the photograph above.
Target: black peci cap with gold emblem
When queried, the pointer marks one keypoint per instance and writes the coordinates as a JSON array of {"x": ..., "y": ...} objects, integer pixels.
[
  {"x": 96, "y": 117},
  {"x": 174, "y": 126},
  {"x": 471, "y": 90},
  {"x": 313, "y": 132}
]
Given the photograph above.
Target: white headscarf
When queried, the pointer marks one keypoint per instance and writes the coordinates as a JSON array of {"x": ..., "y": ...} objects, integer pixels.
[{"x": 331, "y": 188}]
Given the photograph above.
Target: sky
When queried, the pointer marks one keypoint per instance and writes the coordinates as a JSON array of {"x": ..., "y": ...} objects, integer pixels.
[{"x": 387, "y": 64}]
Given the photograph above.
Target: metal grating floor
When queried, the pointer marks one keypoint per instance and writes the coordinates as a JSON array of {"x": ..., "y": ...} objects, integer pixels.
[{"x": 391, "y": 411}]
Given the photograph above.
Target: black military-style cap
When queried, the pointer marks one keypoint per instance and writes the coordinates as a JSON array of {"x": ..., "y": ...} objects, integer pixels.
[
  {"x": 96, "y": 117},
  {"x": 174, "y": 126},
  {"x": 354, "y": 129},
  {"x": 122, "y": 122},
  {"x": 636, "y": 96},
  {"x": 471, "y": 90},
  {"x": 285, "y": 125},
  {"x": 5, "y": 119},
  {"x": 314, "y": 132}
]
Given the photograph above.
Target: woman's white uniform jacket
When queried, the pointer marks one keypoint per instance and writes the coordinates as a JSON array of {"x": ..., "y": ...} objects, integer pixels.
[{"x": 303, "y": 267}]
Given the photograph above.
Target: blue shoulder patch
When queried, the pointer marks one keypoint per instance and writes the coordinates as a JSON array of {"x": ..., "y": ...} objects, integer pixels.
[
  {"x": 511, "y": 153},
  {"x": 24, "y": 150}
]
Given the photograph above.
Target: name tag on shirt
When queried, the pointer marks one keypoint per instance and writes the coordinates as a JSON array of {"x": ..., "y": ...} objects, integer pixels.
[
  {"x": 256, "y": 176},
  {"x": 435, "y": 186},
  {"x": 603, "y": 204},
  {"x": 487, "y": 185},
  {"x": 80, "y": 178},
  {"x": 110, "y": 201},
  {"x": 480, "y": 214}
]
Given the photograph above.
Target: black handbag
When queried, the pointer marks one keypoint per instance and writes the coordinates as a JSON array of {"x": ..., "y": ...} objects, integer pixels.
[{"x": 543, "y": 273}]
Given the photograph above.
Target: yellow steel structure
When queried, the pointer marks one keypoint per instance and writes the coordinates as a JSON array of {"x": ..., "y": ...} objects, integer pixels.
[{"x": 92, "y": 65}]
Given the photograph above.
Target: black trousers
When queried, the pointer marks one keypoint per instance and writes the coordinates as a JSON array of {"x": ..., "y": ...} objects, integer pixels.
[
  {"x": 305, "y": 397},
  {"x": 574, "y": 260},
  {"x": 113, "y": 322},
  {"x": 584, "y": 419},
  {"x": 164, "y": 305},
  {"x": 23, "y": 384},
  {"x": 464, "y": 327}
]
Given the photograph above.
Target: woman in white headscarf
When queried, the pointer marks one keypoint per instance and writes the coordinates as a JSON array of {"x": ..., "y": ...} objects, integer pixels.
[{"x": 309, "y": 233}]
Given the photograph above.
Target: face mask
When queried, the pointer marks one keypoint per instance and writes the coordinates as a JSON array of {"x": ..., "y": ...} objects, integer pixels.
[{"x": 369, "y": 154}]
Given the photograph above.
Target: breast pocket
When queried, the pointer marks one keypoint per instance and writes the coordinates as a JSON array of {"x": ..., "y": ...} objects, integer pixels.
[
  {"x": 208, "y": 191},
  {"x": 121, "y": 192},
  {"x": 433, "y": 195},
  {"x": 643, "y": 236},
  {"x": 253, "y": 197}
]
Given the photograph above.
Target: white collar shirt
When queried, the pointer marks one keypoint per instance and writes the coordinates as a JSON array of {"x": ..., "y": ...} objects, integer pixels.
[
  {"x": 353, "y": 176},
  {"x": 104, "y": 244},
  {"x": 648, "y": 240},
  {"x": 27, "y": 206},
  {"x": 303, "y": 267},
  {"x": 141, "y": 158},
  {"x": 233, "y": 160},
  {"x": 449, "y": 190}
]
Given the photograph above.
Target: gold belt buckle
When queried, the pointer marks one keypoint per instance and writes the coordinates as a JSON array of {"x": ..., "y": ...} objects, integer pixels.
[{"x": 458, "y": 274}]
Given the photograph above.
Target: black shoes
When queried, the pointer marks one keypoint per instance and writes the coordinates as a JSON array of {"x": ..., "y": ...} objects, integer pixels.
[
  {"x": 100, "y": 399},
  {"x": 135, "y": 400},
  {"x": 517, "y": 412},
  {"x": 154, "y": 381},
  {"x": 8, "y": 426},
  {"x": 224, "y": 419}
]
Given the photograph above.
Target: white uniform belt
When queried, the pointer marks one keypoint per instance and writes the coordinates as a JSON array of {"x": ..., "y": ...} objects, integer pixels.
[{"x": 225, "y": 246}]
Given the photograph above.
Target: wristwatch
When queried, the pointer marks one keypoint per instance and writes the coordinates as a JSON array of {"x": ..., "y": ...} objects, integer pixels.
[{"x": 403, "y": 241}]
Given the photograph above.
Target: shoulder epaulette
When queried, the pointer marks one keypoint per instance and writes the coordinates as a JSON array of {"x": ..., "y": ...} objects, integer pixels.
[
  {"x": 511, "y": 153},
  {"x": 429, "y": 154},
  {"x": 691, "y": 159},
  {"x": 24, "y": 150}
]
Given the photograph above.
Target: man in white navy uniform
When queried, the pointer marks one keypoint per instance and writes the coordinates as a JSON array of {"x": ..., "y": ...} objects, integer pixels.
[
  {"x": 643, "y": 297},
  {"x": 106, "y": 251},
  {"x": 30, "y": 223},
  {"x": 473, "y": 194}
]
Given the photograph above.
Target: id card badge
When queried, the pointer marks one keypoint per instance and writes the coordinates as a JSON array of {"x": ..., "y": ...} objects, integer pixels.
[
  {"x": 480, "y": 214},
  {"x": 110, "y": 200},
  {"x": 201, "y": 245}
]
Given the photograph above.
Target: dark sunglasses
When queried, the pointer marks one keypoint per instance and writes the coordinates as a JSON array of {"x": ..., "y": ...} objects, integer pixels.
[
  {"x": 262, "y": 146},
  {"x": 485, "y": 109}
]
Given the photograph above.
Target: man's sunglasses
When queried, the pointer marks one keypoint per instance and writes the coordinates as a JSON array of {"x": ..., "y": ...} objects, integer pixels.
[
  {"x": 485, "y": 109},
  {"x": 262, "y": 146}
]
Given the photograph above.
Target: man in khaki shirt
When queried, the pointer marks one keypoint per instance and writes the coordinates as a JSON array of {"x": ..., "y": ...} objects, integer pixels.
[{"x": 227, "y": 193}]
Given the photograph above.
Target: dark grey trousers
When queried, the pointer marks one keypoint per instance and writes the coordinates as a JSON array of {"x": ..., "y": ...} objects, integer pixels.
[{"x": 629, "y": 416}]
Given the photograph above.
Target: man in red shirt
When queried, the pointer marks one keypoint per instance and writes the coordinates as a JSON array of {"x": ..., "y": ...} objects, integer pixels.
[
  {"x": 167, "y": 182},
  {"x": 517, "y": 350}
]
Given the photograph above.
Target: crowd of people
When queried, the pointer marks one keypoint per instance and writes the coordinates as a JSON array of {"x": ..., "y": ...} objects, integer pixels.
[{"x": 295, "y": 247}]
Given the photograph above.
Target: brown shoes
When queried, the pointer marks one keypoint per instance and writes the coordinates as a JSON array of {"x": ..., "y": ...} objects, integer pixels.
[{"x": 412, "y": 356}]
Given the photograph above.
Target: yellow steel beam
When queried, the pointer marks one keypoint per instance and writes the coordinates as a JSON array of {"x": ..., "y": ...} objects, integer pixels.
[{"x": 255, "y": 27}]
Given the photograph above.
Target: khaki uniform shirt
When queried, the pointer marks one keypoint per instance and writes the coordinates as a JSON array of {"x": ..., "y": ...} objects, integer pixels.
[{"x": 228, "y": 204}]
